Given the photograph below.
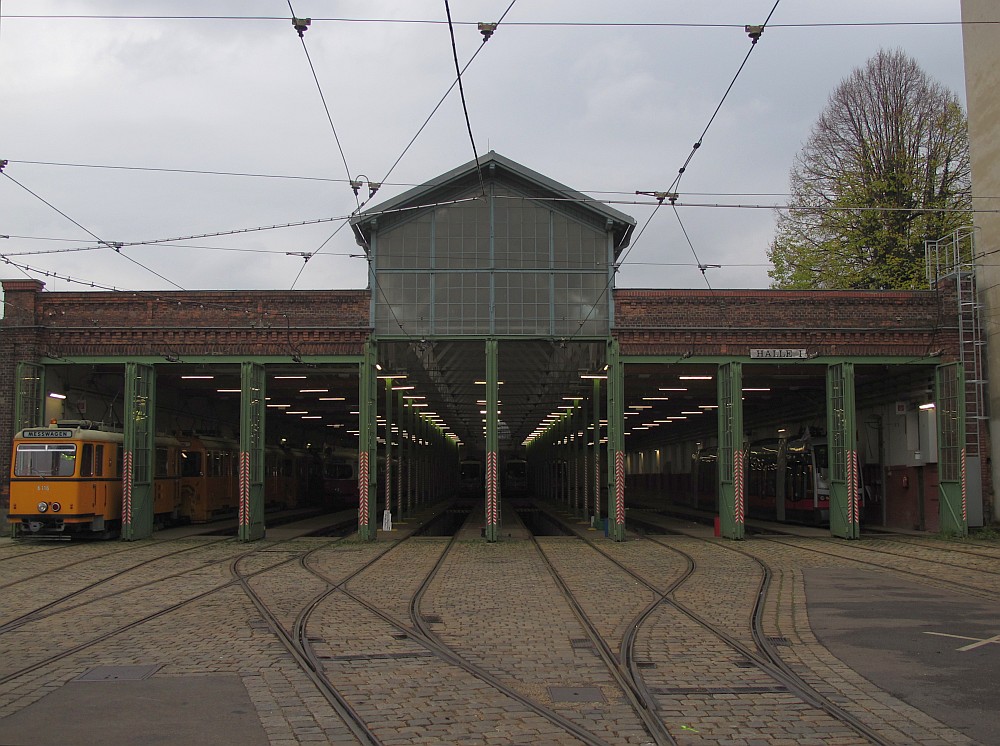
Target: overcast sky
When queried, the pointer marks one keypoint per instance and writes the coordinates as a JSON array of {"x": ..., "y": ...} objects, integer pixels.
[{"x": 563, "y": 87}]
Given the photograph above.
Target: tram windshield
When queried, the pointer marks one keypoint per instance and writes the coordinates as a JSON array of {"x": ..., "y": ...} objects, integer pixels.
[
  {"x": 339, "y": 470},
  {"x": 45, "y": 460}
]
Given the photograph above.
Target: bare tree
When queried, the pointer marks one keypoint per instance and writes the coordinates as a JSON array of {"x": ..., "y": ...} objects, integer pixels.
[{"x": 885, "y": 168}]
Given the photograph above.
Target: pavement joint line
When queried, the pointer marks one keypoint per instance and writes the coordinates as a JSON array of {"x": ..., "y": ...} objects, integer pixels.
[{"x": 978, "y": 641}]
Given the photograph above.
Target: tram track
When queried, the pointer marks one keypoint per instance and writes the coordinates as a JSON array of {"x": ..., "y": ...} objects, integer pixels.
[
  {"x": 80, "y": 561},
  {"x": 418, "y": 630},
  {"x": 117, "y": 630},
  {"x": 769, "y": 660},
  {"x": 765, "y": 657},
  {"x": 297, "y": 644},
  {"x": 622, "y": 668},
  {"x": 93, "y": 637},
  {"x": 39, "y": 612},
  {"x": 950, "y": 546},
  {"x": 987, "y": 592}
]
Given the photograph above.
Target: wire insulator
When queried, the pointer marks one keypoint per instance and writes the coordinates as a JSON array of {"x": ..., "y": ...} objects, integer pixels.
[
  {"x": 301, "y": 24},
  {"x": 487, "y": 29}
]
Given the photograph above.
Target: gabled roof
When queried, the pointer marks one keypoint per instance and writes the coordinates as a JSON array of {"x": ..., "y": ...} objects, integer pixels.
[{"x": 464, "y": 181}]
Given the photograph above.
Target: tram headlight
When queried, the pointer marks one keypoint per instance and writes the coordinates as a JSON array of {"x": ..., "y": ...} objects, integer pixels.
[
  {"x": 42, "y": 507},
  {"x": 56, "y": 507}
]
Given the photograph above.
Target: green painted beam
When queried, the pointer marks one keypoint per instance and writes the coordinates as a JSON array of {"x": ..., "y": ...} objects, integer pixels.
[
  {"x": 204, "y": 360},
  {"x": 748, "y": 361}
]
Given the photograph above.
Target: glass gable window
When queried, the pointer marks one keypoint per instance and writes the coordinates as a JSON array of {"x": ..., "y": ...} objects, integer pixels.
[{"x": 505, "y": 264}]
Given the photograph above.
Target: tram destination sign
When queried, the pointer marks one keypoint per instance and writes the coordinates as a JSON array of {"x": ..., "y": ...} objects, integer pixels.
[
  {"x": 782, "y": 353},
  {"x": 47, "y": 433}
]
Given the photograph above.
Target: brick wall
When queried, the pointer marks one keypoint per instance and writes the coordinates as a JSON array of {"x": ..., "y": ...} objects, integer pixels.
[
  {"x": 827, "y": 322},
  {"x": 99, "y": 324}
]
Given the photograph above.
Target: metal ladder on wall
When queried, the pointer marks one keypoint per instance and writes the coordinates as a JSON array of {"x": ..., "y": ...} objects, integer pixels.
[{"x": 954, "y": 257}]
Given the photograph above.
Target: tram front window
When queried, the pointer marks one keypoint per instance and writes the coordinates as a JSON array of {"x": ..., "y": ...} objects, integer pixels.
[{"x": 45, "y": 460}]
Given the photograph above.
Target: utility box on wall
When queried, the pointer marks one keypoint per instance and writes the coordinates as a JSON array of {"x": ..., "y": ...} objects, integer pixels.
[{"x": 921, "y": 437}]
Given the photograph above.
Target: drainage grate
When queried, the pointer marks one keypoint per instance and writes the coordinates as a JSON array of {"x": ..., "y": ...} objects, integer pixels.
[
  {"x": 779, "y": 640},
  {"x": 645, "y": 664},
  {"x": 401, "y": 636},
  {"x": 576, "y": 694},
  {"x": 431, "y": 618},
  {"x": 119, "y": 673},
  {"x": 745, "y": 664},
  {"x": 580, "y": 643}
]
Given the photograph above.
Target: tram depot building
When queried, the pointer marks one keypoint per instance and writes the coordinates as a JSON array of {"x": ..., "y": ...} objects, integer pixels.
[{"x": 490, "y": 330}]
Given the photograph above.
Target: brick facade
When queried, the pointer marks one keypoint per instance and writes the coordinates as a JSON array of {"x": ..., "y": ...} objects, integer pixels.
[
  {"x": 336, "y": 322},
  {"x": 827, "y": 322}
]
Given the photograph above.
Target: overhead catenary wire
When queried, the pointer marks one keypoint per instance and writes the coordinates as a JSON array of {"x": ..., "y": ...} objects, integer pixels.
[
  {"x": 319, "y": 89},
  {"x": 116, "y": 247},
  {"x": 461, "y": 93},
  {"x": 437, "y": 106},
  {"x": 556, "y": 24},
  {"x": 755, "y": 33},
  {"x": 526, "y": 24}
]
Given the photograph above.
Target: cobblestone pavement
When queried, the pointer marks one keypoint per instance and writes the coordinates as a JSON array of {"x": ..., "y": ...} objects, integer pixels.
[{"x": 488, "y": 651}]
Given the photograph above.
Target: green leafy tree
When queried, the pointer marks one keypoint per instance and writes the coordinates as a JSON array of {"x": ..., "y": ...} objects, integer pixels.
[{"x": 885, "y": 168}]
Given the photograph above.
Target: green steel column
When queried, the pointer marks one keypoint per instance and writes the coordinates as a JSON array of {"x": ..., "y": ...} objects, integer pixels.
[
  {"x": 251, "y": 478},
  {"x": 568, "y": 459},
  {"x": 564, "y": 460},
  {"x": 367, "y": 445},
  {"x": 139, "y": 450},
  {"x": 584, "y": 472},
  {"x": 425, "y": 455},
  {"x": 597, "y": 453},
  {"x": 950, "y": 407},
  {"x": 403, "y": 457},
  {"x": 842, "y": 449},
  {"x": 388, "y": 448},
  {"x": 418, "y": 457},
  {"x": 492, "y": 395},
  {"x": 732, "y": 458},
  {"x": 616, "y": 443},
  {"x": 411, "y": 456}
]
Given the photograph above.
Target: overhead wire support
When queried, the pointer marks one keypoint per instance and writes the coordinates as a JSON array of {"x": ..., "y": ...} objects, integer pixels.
[{"x": 461, "y": 88}]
